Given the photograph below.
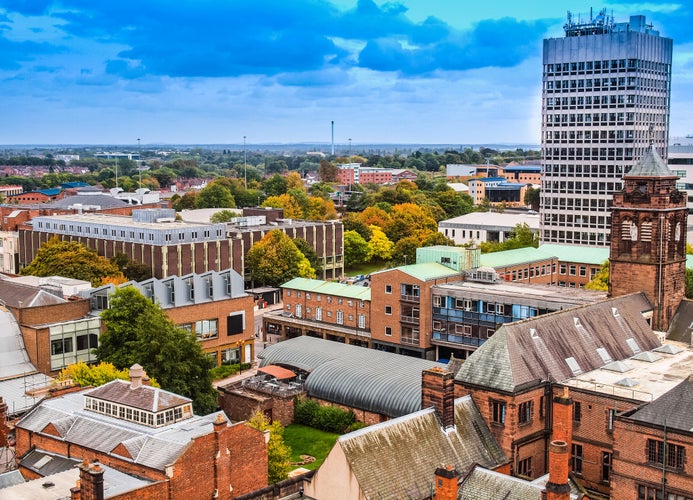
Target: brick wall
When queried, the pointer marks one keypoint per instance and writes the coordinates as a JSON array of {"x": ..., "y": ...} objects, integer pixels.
[{"x": 330, "y": 305}]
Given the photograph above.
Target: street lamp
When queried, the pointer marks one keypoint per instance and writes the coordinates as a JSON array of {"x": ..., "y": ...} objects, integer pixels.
[
  {"x": 139, "y": 160},
  {"x": 349, "y": 146},
  {"x": 245, "y": 166}
]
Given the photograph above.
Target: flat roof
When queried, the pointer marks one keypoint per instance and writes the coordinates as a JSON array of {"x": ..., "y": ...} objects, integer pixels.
[
  {"x": 425, "y": 272},
  {"x": 650, "y": 374},
  {"x": 118, "y": 220},
  {"x": 514, "y": 257},
  {"x": 582, "y": 254},
  {"x": 488, "y": 220},
  {"x": 357, "y": 292}
]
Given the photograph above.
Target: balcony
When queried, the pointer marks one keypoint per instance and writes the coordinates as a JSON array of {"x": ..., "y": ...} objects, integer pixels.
[
  {"x": 413, "y": 320},
  {"x": 409, "y": 298}
]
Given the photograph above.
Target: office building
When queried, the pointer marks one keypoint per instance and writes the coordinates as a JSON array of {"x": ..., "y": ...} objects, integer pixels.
[{"x": 605, "y": 98}]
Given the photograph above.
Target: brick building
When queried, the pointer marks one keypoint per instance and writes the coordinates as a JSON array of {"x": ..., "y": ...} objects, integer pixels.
[
  {"x": 355, "y": 173},
  {"x": 149, "y": 433},
  {"x": 648, "y": 237},
  {"x": 169, "y": 247},
  {"x": 211, "y": 305},
  {"x": 653, "y": 446}
]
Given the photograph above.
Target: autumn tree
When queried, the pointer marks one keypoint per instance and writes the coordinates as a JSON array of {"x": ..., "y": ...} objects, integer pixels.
[
  {"x": 404, "y": 251},
  {"x": 327, "y": 171},
  {"x": 86, "y": 375},
  {"x": 601, "y": 279},
  {"x": 408, "y": 219},
  {"x": 356, "y": 250},
  {"x": 352, "y": 222},
  {"x": 139, "y": 331},
  {"x": 292, "y": 209},
  {"x": 309, "y": 253},
  {"x": 275, "y": 259},
  {"x": 278, "y": 452},
  {"x": 72, "y": 260},
  {"x": 215, "y": 195},
  {"x": 380, "y": 246}
]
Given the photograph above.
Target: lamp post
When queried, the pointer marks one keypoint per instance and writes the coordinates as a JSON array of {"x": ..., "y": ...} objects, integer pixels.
[
  {"x": 349, "y": 146},
  {"x": 139, "y": 160},
  {"x": 245, "y": 166}
]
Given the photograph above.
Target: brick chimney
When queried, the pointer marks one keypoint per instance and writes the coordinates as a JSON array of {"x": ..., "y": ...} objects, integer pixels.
[
  {"x": 558, "y": 487},
  {"x": 438, "y": 391},
  {"x": 446, "y": 483},
  {"x": 90, "y": 482},
  {"x": 4, "y": 430},
  {"x": 137, "y": 374}
]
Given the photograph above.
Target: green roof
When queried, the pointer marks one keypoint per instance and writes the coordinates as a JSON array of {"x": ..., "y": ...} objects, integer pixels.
[
  {"x": 329, "y": 288},
  {"x": 580, "y": 254},
  {"x": 514, "y": 257},
  {"x": 428, "y": 271},
  {"x": 650, "y": 165}
]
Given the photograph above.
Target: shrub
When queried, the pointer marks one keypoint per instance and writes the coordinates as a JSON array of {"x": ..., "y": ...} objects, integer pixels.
[
  {"x": 223, "y": 371},
  {"x": 326, "y": 418}
]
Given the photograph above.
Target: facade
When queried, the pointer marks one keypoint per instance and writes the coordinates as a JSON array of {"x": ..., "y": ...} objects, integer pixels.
[
  {"x": 151, "y": 434},
  {"x": 9, "y": 252},
  {"x": 605, "y": 97},
  {"x": 478, "y": 227},
  {"x": 527, "y": 174},
  {"x": 466, "y": 313},
  {"x": 355, "y": 173},
  {"x": 648, "y": 239},
  {"x": 211, "y": 305}
]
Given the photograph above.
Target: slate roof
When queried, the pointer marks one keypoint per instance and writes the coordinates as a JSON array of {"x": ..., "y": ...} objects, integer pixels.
[
  {"x": 357, "y": 292},
  {"x": 46, "y": 464},
  {"x": 529, "y": 352},
  {"x": 484, "y": 483},
  {"x": 650, "y": 165},
  {"x": 358, "y": 377},
  {"x": 682, "y": 323},
  {"x": 398, "y": 458},
  {"x": 144, "y": 397},
  {"x": 101, "y": 200},
  {"x": 676, "y": 406},
  {"x": 150, "y": 447},
  {"x": 19, "y": 295}
]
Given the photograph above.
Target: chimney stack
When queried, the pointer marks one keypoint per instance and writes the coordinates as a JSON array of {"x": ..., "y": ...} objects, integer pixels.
[
  {"x": 558, "y": 487},
  {"x": 90, "y": 482},
  {"x": 446, "y": 483},
  {"x": 438, "y": 391},
  {"x": 136, "y": 375}
]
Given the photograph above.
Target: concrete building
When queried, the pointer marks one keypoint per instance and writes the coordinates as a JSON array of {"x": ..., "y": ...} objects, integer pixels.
[
  {"x": 605, "y": 98},
  {"x": 477, "y": 227}
]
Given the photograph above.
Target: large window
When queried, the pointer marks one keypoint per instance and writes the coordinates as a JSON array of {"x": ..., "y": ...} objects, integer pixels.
[
  {"x": 675, "y": 454},
  {"x": 61, "y": 346},
  {"x": 606, "y": 466},
  {"x": 207, "y": 329},
  {"x": 525, "y": 412},
  {"x": 524, "y": 467},
  {"x": 498, "y": 412},
  {"x": 577, "y": 458}
]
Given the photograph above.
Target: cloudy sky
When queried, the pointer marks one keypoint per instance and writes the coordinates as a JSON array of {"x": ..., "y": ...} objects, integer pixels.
[{"x": 278, "y": 71}]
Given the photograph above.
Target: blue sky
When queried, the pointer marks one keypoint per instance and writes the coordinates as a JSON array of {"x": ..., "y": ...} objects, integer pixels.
[{"x": 278, "y": 71}]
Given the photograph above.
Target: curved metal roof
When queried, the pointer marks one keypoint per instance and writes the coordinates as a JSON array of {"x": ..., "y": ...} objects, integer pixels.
[{"x": 357, "y": 377}]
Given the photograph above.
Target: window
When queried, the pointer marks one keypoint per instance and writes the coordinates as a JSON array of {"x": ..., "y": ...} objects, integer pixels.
[
  {"x": 288, "y": 293},
  {"x": 340, "y": 317},
  {"x": 61, "y": 346},
  {"x": 525, "y": 412},
  {"x": 88, "y": 341},
  {"x": 577, "y": 411},
  {"x": 610, "y": 420},
  {"x": 318, "y": 313},
  {"x": 339, "y": 300},
  {"x": 562, "y": 269},
  {"x": 577, "y": 458},
  {"x": 437, "y": 301},
  {"x": 388, "y": 310},
  {"x": 675, "y": 454},
  {"x": 329, "y": 300},
  {"x": 498, "y": 412},
  {"x": 606, "y": 466},
  {"x": 207, "y": 329},
  {"x": 298, "y": 294},
  {"x": 524, "y": 467},
  {"x": 235, "y": 323},
  {"x": 542, "y": 403},
  {"x": 388, "y": 331},
  {"x": 362, "y": 321},
  {"x": 388, "y": 288}
]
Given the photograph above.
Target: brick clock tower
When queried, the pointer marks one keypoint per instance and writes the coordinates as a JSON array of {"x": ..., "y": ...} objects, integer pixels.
[{"x": 648, "y": 238}]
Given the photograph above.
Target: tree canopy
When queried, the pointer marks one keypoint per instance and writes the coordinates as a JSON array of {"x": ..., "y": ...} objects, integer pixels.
[
  {"x": 85, "y": 375},
  {"x": 138, "y": 331},
  {"x": 356, "y": 250},
  {"x": 275, "y": 259},
  {"x": 278, "y": 452},
  {"x": 72, "y": 260}
]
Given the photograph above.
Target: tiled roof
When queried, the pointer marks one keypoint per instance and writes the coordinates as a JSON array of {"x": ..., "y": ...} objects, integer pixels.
[
  {"x": 484, "y": 483},
  {"x": 143, "y": 397},
  {"x": 650, "y": 165},
  {"x": 673, "y": 409},
  {"x": 540, "y": 349},
  {"x": 357, "y": 292},
  {"x": 398, "y": 458},
  {"x": 151, "y": 447},
  {"x": 682, "y": 323},
  {"x": 20, "y": 295}
]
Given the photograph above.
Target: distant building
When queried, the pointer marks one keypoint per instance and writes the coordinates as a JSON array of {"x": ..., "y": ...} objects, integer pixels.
[
  {"x": 355, "y": 173},
  {"x": 497, "y": 190},
  {"x": 479, "y": 227}
]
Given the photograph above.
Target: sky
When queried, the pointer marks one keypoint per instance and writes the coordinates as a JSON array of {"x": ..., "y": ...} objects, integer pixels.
[{"x": 279, "y": 71}]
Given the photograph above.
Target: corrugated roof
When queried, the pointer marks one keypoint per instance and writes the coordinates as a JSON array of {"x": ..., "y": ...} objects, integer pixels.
[
  {"x": 581, "y": 254},
  {"x": 650, "y": 165},
  {"x": 407, "y": 451},
  {"x": 355, "y": 376},
  {"x": 537, "y": 349},
  {"x": 357, "y": 292}
]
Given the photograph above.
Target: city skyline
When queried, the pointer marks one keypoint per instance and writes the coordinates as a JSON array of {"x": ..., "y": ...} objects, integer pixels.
[{"x": 215, "y": 72}]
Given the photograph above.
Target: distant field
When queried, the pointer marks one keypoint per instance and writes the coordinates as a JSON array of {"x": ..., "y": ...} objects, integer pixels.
[{"x": 305, "y": 440}]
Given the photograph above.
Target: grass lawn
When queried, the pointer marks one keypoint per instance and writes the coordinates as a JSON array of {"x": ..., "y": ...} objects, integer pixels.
[
  {"x": 308, "y": 441},
  {"x": 365, "y": 269}
]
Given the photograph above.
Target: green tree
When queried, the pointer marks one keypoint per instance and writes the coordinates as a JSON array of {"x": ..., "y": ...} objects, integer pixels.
[
  {"x": 85, "y": 375},
  {"x": 275, "y": 259},
  {"x": 380, "y": 246},
  {"x": 532, "y": 196},
  {"x": 135, "y": 271},
  {"x": 215, "y": 195},
  {"x": 356, "y": 250},
  {"x": 601, "y": 279},
  {"x": 520, "y": 237},
  {"x": 186, "y": 202},
  {"x": 222, "y": 216},
  {"x": 139, "y": 331},
  {"x": 404, "y": 252},
  {"x": 327, "y": 171},
  {"x": 275, "y": 185},
  {"x": 278, "y": 452},
  {"x": 309, "y": 253},
  {"x": 72, "y": 260},
  {"x": 352, "y": 222}
]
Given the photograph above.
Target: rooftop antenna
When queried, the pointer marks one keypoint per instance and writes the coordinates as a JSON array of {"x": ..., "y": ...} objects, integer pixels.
[{"x": 332, "y": 137}]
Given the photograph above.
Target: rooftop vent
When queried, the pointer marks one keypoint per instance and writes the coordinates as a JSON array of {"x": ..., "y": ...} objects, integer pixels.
[
  {"x": 633, "y": 345},
  {"x": 668, "y": 349},
  {"x": 577, "y": 323},
  {"x": 617, "y": 366},
  {"x": 627, "y": 382},
  {"x": 647, "y": 356},
  {"x": 614, "y": 311},
  {"x": 573, "y": 365},
  {"x": 533, "y": 333}
]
